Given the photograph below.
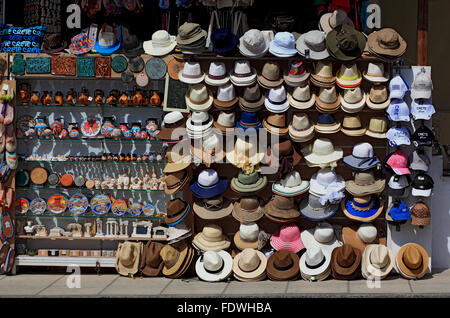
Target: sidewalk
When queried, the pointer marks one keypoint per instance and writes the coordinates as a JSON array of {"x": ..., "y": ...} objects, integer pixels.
[{"x": 111, "y": 285}]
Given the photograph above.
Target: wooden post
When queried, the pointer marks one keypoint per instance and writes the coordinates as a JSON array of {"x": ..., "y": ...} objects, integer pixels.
[{"x": 422, "y": 32}]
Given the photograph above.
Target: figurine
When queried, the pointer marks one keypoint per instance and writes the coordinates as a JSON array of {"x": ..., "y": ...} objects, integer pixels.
[
  {"x": 59, "y": 98},
  {"x": 99, "y": 99},
  {"x": 84, "y": 98},
  {"x": 99, "y": 228},
  {"x": 142, "y": 229},
  {"x": 24, "y": 93},
  {"x": 47, "y": 98},
  {"x": 29, "y": 228},
  {"x": 87, "y": 229},
  {"x": 34, "y": 99},
  {"x": 76, "y": 229},
  {"x": 71, "y": 98}
]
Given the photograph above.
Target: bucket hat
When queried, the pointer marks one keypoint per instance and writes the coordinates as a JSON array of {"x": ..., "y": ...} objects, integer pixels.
[
  {"x": 211, "y": 238},
  {"x": 208, "y": 184},
  {"x": 398, "y": 185},
  {"x": 422, "y": 109},
  {"x": 301, "y": 129},
  {"x": 290, "y": 186},
  {"x": 243, "y": 74},
  {"x": 175, "y": 181},
  {"x": 270, "y": 76},
  {"x": 248, "y": 209},
  {"x": 174, "y": 126},
  {"x": 151, "y": 263},
  {"x": 398, "y": 87},
  {"x": 327, "y": 124},
  {"x": 296, "y": 74},
  {"x": 217, "y": 74},
  {"x": 420, "y": 214},
  {"x": 346, "y": 263},
  {"x": 248, "y": 183},
  {"x": 189, "y": 33},
  {"x": 225, "y": 122},
  {"x": 377, "y": 127},
  {"x": 378, "y": 98},
  {"x": 397, "y": 212},
  {"x": 375, "y": 73},
  {"x": 353, "y": 100},
  {"x": 423, "y": 137},
  {"x": 177, "y": 160},
  {"x": 323, "y": 74},
  {"x": 80, "y": 44},
  {"x": 345, "y": 43},
  {"x": 360, "y": 236},
  {"x": 321, "y": 152},
  {"x": 53, "y": 43},
  {"x": 377, "y": 261},
  {"x": 162, "y": 43},
  {"x": 287, "y": 238},
  {"x": 276, "y": 124},
  {"x": 214, "y": 266},
  {"x": 323, "y": 236},
  {"x": 283, "y": 45},
  {"x": 301, "y": 97},
  {"x": 247, "y": 236},
  {"x": 313, "y": 45},
  {"x": 199, "y": 124},
  {"x": 176, "y": 259},
  {"x": 386, "y": 42},
  {"x": 276, "y": 100},
  {"x": 283, "y": 154},
  {"x": 250, "y": 265},
  {"x": 223, "y": 41},
  {"x": 253, "y": 43},
  {"x": 422, "y": 86},
  {"x": 398, "y": 162},
  {"x": 281, "y": 209},
  {"x": 245, "y": 155},
  {"x": 127, "y": 259},
  {"x": 422, "y": 185},
  {"x": 398, "y": 136},
  {"x": 412, "y": 261},
  {"x": 283, "y": 266},
  {"x": 176, "y": 211},
  {"x": 362, "y": 157},
  {"x": 249, "y": 121},
  {"x": 418, "y": 160},
  {"x": 365, "y": 184},
  {"x": 348, "y": 76},
  {"x": 191, "y": 73},
  {"x": 328, "y": 100},
  {"x": 106, "y": 43},
  {"x": 329, "y": 21},
  {"x": 251, "y": 99},
  {"x": 314, "y": 264},
  {"x": 398, "y": 110},
  {"x": 328, "y": 184},
  {"x": 226, "y": 97},
  {"x": 213, "y": 208},
  {"x": 352, "y": 126},
  {"x": 312, "y": 209},
  {"x": 364, "y": 209}
]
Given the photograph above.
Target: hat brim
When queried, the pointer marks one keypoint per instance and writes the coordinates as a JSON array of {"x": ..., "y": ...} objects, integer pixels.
[
  {"x": 358, "y": 190},
  {"x": 318, "y": 190},
  {"x": 284, "y": 215},
  {"x": 106, "y": 49},
  {"x": 207, "y": 158},
  {"x": 247, "y": 216},
  {"x": 302, "y": 105},
  {"x": 310, "y": 242},
  {"x": 349, "y": 271},
  {"x": 206, "y": 193},
  {"x": 355, "y": 163},
  {"x": 225, "y": 105},
  {"x": 224, "y": 130},
  {"x": 333, "y": 106},
  {"x": 368, "y": 269},
  {"x": 264, "y": 82},
  {"x": 186, "y": 80},
  {"x": 315, "y": 159},
  {"x": 350, "y": 236},
  {"x": 159, "y": 51},
  {"x": 313, "y": 55},
  {"x": 314, "y": 271},
  {"x": 321, "y": 81},
  {"x": 348, "y": 83},
  {"x": 182, "y": 184},
  {"x": 199, "y": 128},
  {"x": 226, "y": 271},
  {"x": 354, "y": 132},
  {"x": 179, "y": 263},
  {"x": 254, "y": 274},
  {"x": 375, "y": 134},
  {"x": 257, "y": 105},
  {"x": 241, "y": 244},
  {"x": 401, "y": 171},
  {"x": 290, "y": 274},
  {"x": 239, "y": 187},
  {"x": 376, "y": 79},
  {"x": 328, "y": 129},
  {"x": 278, "y": 244},
  {"x": 167, "y": 133},
  {"x": 277, "y": 188},
  {"x": 254, "y": 160},
  {"x": 275, "y": 130},
  {"x": 356, "y": 107},
  {"x": 205, "y": 214},
  {"x": 338, "y": 54},
  {"x": 174, "y": 166},
  {"x": 317, "y": 215},
  {"x": 246, "y": 52},
  {"x": 216, "y": 82},
  {"x": 243, "y": 81},
  {"x": 301, "y": 136},
  {"x": 324, "y": 23},
  {"x": 373, "y": 46},
  {"x": 276, "y": 108},
  {"x": 362, "y": 216},
  {"x": 204, "y": 245}
]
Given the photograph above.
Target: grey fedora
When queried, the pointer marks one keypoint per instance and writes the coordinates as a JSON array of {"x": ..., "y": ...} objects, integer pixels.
[{"x": 312, "y": 209}]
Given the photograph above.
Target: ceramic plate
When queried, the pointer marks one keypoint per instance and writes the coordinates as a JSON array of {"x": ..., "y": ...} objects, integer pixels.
[
  {"x": 148, "y": 210},
  {"x": 100, "y": 204},
  {"x": 135, "y": 209},
  {"x": 91, "y": 127},
  {"x": 78, "y": 203},
  {"x": 38, "y": 206},
  {"x": 119, "y": 207},
  {"x": 22, "y": 205},
  {"x": 155, "y": 68},
  {"x": 57, "y": 204}
]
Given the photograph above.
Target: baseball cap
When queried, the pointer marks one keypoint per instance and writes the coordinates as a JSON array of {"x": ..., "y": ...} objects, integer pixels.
[
  {"x": 398, "y": 211},
  {"x": 398, "y": 162},
  {"x": 418, "y": 160},
  {"x": 398, "y": 136},
  {"x": 423, "y": 136},
  {"x": 398, "y": 185},
  {"x": 397, "y": 87},
  {"x": 420, "y": 214},
  {"x": 422, "y": 109},
  {"x": 422, "y": 185},
  {"x": 398, "y": 110},
  {"x": 422, "y": 85}
]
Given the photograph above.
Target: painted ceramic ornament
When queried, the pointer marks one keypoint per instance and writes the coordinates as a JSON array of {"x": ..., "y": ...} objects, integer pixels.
[
  {"x": 136, "y": 129},
  {"x": 108, "y": 127},
  {"x": 78, "y": 204},
  {"x": 57, "y": 204},
  {"x": 22, "y": 205},
  {"x": 73, "y": 130},
  {"x": 100, "y": 204},
  {"x": 135, "y": 209},
  {"x": 90, "y": 127},
  {"x": 119, "y": 207},
  {"x": 40, "y": 126},
  {"x": 38, "y": 206},
  {"x": 148, "y": 210}
]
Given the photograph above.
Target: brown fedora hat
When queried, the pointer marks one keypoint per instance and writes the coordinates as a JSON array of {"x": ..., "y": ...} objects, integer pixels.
[
  {"x": 282, "y": 209},
  {"x": 345, "y": 262},
  {"x": 214, "y": 208},
  {"x": 248, "y": 209},
  {"x": 151, "y": 261},
  {"x": 283, "y": 149},
  {"x": 270, "y": 76},
  {"x": 276, "y": 124},
  {"x": 177, "y": 180},
  {"x": 412, "y": 260},
  {"x": 283, "y": 265},
  {"x": 251, "y": 98},
  {"x": 176, "y": 210}
]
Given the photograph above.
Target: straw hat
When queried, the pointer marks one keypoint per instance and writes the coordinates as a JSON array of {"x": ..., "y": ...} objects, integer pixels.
[
  {"x": 412, "y": 261},
  {"x": 250, "y": 265},
  {"x": 291, "y": 185},
  {"x": 328, "y": 99},
  {"x": 301, "y": 97},
  {"x": 283, "y": 265},
  {"x": 276, "y": 100},
  {"x": 364, "y": 209},
  {"x": 176, "y": 211},
  {"x": 176, "y": 181},
  {"x": 361, "y": 236},
  {"x": 199, "y": 98},
  {"x": 226, "y": 97},
  {"x": 248, "y": 209},
  {"x": 151, "y": 262},
  {"x": 281, "y": 209},
  {"x": 329, "y": 21},
  {"x": 127, "y": 259},
  {"x": 365, "y": 184},
  {"x": 209, "y": 150},
  {"x": 378, "y": 127},
  {"x": 247, "y": 236},
  {"x": 191, "y": 73},
  {"x": 217, "y": 74},
  {"x": 346, "y": 262},
  {"x": 254, "y": 43},
  {"x": 244, "y": 152},
  {"x": 375, "y": 73},
  {"x": 327, "y": 124},
  {"x": 162, "y": 43},
  {"x": 176, "y": 259},
  {"x": 312, "y": 209},
  {"x": 251, "y": 99},
  {"x": 214, "y": 266},
  {"x": 321, "y": 152},
  {"x": 315, "y": 264},
  {"x": 278, "y": 153},
  {"x": 377, "y": 261},
  {"x": 174, "y": 126},
  {"x": 243, "y": 74},
  {"x": 352, "y": 126},
  {"x": 209, "y": 184},
  {"x": 324, "y": 180},
  {"x": 211, "y": 239},
  {"x": 301, "y": 129},
  {"x": 248, "y": 183},
  {"x": 348, "y": 76},
  {"x": 177, "y": 159},
  {"x": 387, "y": 42},
  {"x": 276, "y": 124},
  {"x": 353, "y": 100},
  {"x": 213, "y": 208},
  {"x": 378, "y": 98},
  {"x": 323, "y": 74},
  {"x": 225, "y": 123},
  {"x": 270, "y": 76}
]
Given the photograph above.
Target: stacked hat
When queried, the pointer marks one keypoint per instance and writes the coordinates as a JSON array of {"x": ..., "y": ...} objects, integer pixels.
[
  {"x": 276, "y": 124},
  {"x": 323, "y": 74},
  {"x": 422, "y": 86},
  {"x": 225, "y": 123},
  {"x": 191, "y": 38},
  {"x": 301, "y": 129},
  {"x": 245, "y": 155},
  {"x": 276, "y": 100},
  {"x": 175, "y": 181},
  {"x": 362, "y": 157},
  {"x": 250, "y": 265},
  {"x": 213, "y": 208},
  {"x": 327, "y": 185},
  {"x": 224, "y": 42},
  {"x": 247, "y": 236},
  {"x": 176, "y": 259},
  {"x": 348, "y": 76},
  {"x": 423, "y": 137},
  {"x": 378, "y": 98},
  {"x": 214, "y": 266},
  {"x": 288, "y": 237},
  {"x": 346, "y": 263},
  {"x": 313, "y": 45},
  {"x": 281, "y": 209},
  {"x": 422, "y": 109},
  {"x": 418, "y": 160},
  {"x": 176, "y": 211},
  {"x": 254, "y": 43},
  {"x": 330, "y": 20},
  {"x": 327, "y": 124},
  {"x": 162, "y": 43},
  {"x": 217, "y": 74},
  {"x": 191, "y": 73},
  {"x": 315, "y": 265},
  {"x": 375, "y": 73},
  {"x": 321, "y": 153},
  {"x": 178, "y": 233},
  {"x": 248, "y": 209},
  {"x": 208, "y": 150},
  {"x": 199, "y": 125},
  {"x": 127, "y": 258},
  {"x": 361, "y": 236},
  {"x": 243, "y": 74},
  {"x": 251, "y": 99},
  {"x": 177, "y": 159},
  {"x": 386, "y": 43},
  {"x": 398, "y": 185},
  {"x": 211, "y": 238},
  {"x": 365, "y": 184},
  {"x": 131, "y": 46},
  {"x": 208, "y": 184},
  {"x": 301, "y": 97},
  {"x": 422, "y": 185},
  {"x": 353, "y": 100},
  {"x": 345, "y": 43},
  {"x": 364, "y": 208},
  {"x": 107, "y": 43},
  {"x": 397, "y": 212},
  {"x": 377, "y": 261},
  {"x": 377, "y": 127},
  {"x": 226, "y": 97},
  {"x": 284, "y": 156},
  {"x": 283, "y": 266},
  {"x": 412, "y": 261},
  {"x": 270, "y": 76},
  {"x": 398, "y": 87},
  {"x": 248, "y": 183},
  {"x": 297, "y": 74},
  {"x": 312, "y": 209},
  {"x": 199, "y": 98},
  {"x": 420, "y": 214},
  {"x": 53, "y": 44},
  {"x": 352, "y": 126},
  {"x": 173, "y": 128},
  {"x": 398, "y": 110},
  {"x": 291, "y": 185},
  {"x": 323, "y": 236},
  {"x": 283, "y": 45},
  {"x": 151, "y": 263},
  {"x": 328, "y": 101},
  {"x": 398, "y": 162}
]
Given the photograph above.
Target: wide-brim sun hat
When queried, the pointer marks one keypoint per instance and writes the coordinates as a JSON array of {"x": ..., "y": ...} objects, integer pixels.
[
  {"x": 316, "y": 270},
  {"x": 279, "y": 189},
  {"x": 278, "y": 274},
  {"x": 315, "y": 214},
  {"x": 318, "y": 159},
  {"x": 199, "y": 241},
  {"x": 181, "y": 184},
  {"x": 258, "y": 272},
  {"x": 417, "y": 252},
  {"x": 242, "y": 244},
  {"x": 336, "y": 51},
  {"x": 351, "y": 237},
  {"x": 219, "y": 275},
  {"x": 367, "y": 212},
  {"x": 343, "y": 271},
  {"x": 361, "y": 190},
  {"x": 202, "y": 192},
  {"x": 184, "y": 254},
  {"x": 313, "y": 55},
  {"x": 208, "y": 214},
  {"x": 374, "y": 46},
  {"x": 239, "y": 187},
  {"x": 149, "y": 48},
  {"x": 310, "y": 241},
  {"x": 293, "y": 246}
]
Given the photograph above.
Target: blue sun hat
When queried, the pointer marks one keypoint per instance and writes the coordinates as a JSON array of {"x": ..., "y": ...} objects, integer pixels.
[
  {"x": 363, "y": 209},
  {"x": 223, "y": 41},
  {"x": 209, "y": 184},
  {"x": 107, "y": 43},
  {"x": 283, "y": 45}
]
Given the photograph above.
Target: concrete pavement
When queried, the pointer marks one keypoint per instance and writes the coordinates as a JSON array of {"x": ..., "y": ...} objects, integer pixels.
[{"x": 112, "y": 285}]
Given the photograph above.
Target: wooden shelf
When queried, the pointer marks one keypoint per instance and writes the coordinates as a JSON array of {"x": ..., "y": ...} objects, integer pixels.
[{"x": 65, "y": 238}]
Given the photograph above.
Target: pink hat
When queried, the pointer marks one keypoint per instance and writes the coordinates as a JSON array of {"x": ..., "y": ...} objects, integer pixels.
[
  {"x": 399, "y": 163},
  {"x": 287, "y": 238}
]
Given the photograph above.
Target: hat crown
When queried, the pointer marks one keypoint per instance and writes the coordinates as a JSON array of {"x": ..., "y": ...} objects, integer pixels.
[
  {"x": 173, "y": 117},
  {"x": 352, "y": 122},
  {"x": 211, "y": 142},
  {"x": 367, "y": 233},
  {"x": 198, "y": 118},
  {"x": 314, "y": 256},
  {"x": 378, "y": 94},
  {"x": 323, "y": 146},
  {"x": 285, "y": 40},
  {"x": 302, "y": 94},
  {"x": 282, "y": 259},
  {"x": 208, "y": 178},
  {"x": 212, "y": 233},
  {"x": 249, "y": 260},
  {"x": 106, "y": 38},
  {"x": 378, "y": 124},
  {"x": 328, "y": 95},
  {"x": 173, "y": 207},
  {"x": 127, "y": 255},
  {"x": 375, "y": 69},
  {"x": 153, "y": 259},
  {"x": 324, "y": 69},
  {"x": 253, "y": 39},
  {"x": 379, "y": 256},
  {"x": 175, "y": 178},
  {"x": 412, "y": 257},
  {"x": 249, "y": 203},
  {"x": 226, "y": 119},
  {"x": 212, "y": 261},
  {"x": 388, "y": 39},
  {"x": 325, "y": 177},
  {"x": 353, "y": 95},
  {"x": 315, "y": 40},
  {"x": 346, "y": 38},
  {"x": 221, "y": 37},
  {"x": 301, "y": 121},
  {"x": 192, "y": 69},
  {"x": 277, "y": 120},
  {"x": 345, "y": 256},
  {"x": 252, "y": 93},
  {"x": 249, "y": 232},
  {"x": 244, "y": 146},
  {"x": 363, "y": 150},
  {"x": 251, "y": 178},
  {"x": 217, "y": 69},
  {"x": 242, "y": 67},
  {"x": 161, "y": 38},
  {"x": 364, "y": 178},
  {"x": 420, "y": 210},
  {"x": 226, "y": 92},
  {"x": 198, "y": 93},
  {"x": 291, "y": 180},
  {"x": 323, "y": 232},
  {"x": 188, "y": 30},
  {"x": 338, "y": 17},
  {"x": 169, "y": 255},
  {"x": 289, "y": 233},
  {"x": 314, "y": 202},
  {"x": 326, "y": 119},
  {"x": 348, "y": 70},
  {"x": 271, "y": 71}
]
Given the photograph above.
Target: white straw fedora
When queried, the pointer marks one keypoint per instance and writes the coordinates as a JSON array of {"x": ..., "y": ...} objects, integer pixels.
[
  {"x": 243, "y": 74},
  {"x": 199, "y": 98},
  {"x": 301, "y": 97},
  {"x": 191, "y": 73},
  {"x": 217, "y": 74},
  {"x": 214, "y": 266},
  {"x": 276, "y": 100},
  {"x": 375, "y": 73},
  {"x": 353, "y": 100}
]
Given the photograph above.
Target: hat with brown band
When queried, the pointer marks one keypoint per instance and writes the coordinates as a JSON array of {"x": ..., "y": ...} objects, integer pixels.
[
  {"x": 283, "y": 265},
  {"x": 177, "y": 159},
  {"x": 328, "y": 99},
  {"x": 270, "y": 76},
  {"x": 301, "y": 129},
  {"x": 211, "y": 238},
  {"x": 174, "y": 126},
  {"x": 276, "y": 124},
  {"x": 214, "y": 208},
  {"x": 378, "y": 127},
  {"x": 345, "y": 262},
  {"x": 176, "y": 181},
  {"x": 176, "y": 211},
  {"x": 251, "y": 99},
  {"x": 378, "y": 98},
  {"x": 248, "y": 209},
  {"x": 250, "y": 265},
  {"x": 412, "y": 261},
  {"x": 323, "y": 74},
  {"x": 301, "y": 97},
  {"x": 151, "y": 263},
  {"x": 386, "y": 42},
  {"x": 352, "y": 126}
]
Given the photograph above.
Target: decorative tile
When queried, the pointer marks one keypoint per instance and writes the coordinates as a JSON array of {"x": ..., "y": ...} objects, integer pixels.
[
  {"x": 64, "y": 65},
  {"x": 103, "y": 67},
  {"x": 38, "y": 65},
  {"x": 85, "y": 66}
]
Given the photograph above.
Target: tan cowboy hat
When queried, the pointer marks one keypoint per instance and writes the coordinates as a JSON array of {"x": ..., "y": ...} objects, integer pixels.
[
  {"x": 128, "y": 256},
  {"x": 250, "y": 265},
  {"x": 364, "y": 184},
  {"x": 412, "y": 261}
]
